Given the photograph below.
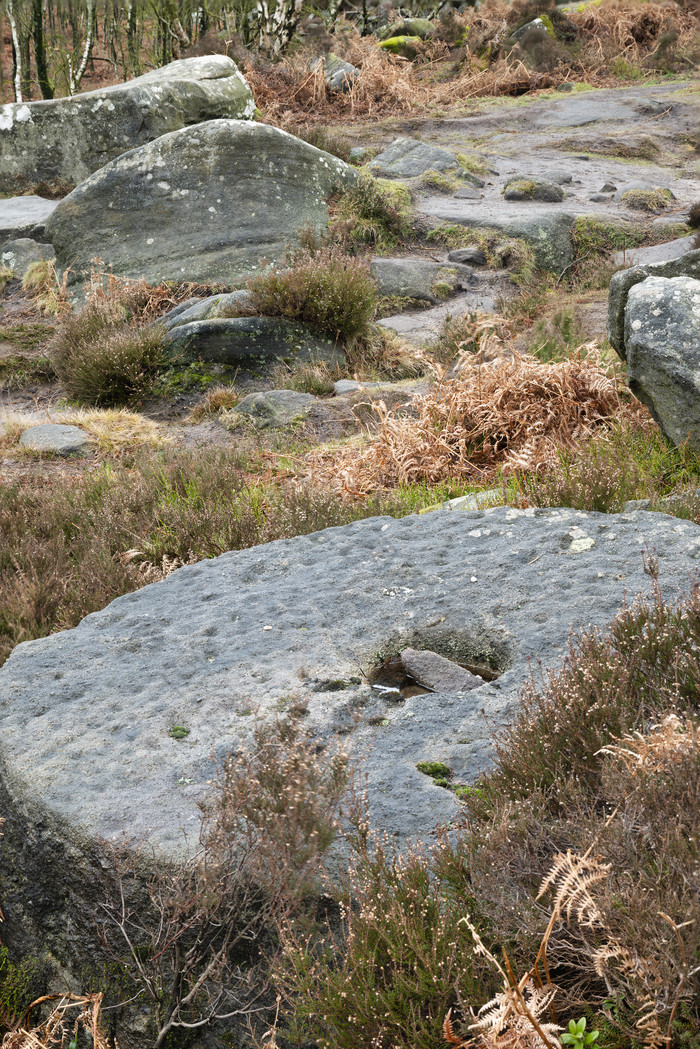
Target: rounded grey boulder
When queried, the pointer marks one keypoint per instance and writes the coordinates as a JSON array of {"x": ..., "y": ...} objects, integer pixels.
[
  {"x": 56, "y": 438},
  {"x": 210, "y": 203},
  {"x": 66, "y": 139},
  {"x": 233, "y": 340}
]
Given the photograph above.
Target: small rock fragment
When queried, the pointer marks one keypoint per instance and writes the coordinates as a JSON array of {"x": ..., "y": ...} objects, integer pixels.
[{"x": 438, "y": 673}]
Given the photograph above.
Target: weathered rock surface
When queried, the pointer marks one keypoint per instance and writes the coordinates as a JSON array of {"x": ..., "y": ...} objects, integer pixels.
[
  {"x": 275, "y": 407},
  {"x": 213, "y": 307},
  {"x": 24, "y": 217},
  {"x": 209, "y": 203},
  {"x": 18, "y": 255},
  {"x": 468, "y": 256},
  {"x": 533, "y": 189},
  {"x": 548, "y": 234},
  {"x": 66, "y": 139},
  {"x": 666, "y": 252},
  {"x": 408, "y": 158},
  {"x": 662, "y": 346},
  {"x": 57, "y": 438},
  {"x": 438, "y": 673},
  {"x": 235, "y": 339},
  {"x": 687, "y": 265},
  {"x": 338, "y": 74},
  {"x": 420, "y": 27},
  {"x": 420, "y": 278}
]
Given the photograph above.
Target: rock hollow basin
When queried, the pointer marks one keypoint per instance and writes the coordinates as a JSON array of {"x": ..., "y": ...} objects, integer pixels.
[{"x": 87, "y": 713}]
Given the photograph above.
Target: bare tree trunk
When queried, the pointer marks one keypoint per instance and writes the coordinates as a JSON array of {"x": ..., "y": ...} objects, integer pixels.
[
  {"x": 17, "y": 75},
  {"x": 42, "y": 72},
  {"x": 76, "y": 77}
]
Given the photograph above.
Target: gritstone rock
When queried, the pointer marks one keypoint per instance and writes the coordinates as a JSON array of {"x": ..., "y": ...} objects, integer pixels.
[
  {"x": 274, "y": 407},
  {"x": 235, "y": 339},
  {"x": 24, "y": 217},
  {"x": 407, "y": 158},
  {"x": 66, "y": 139},
  {"x": 212, "y": 203},
  {"x": 420, "y": 278},
  {"x": 688, "y": 265},
  {"x": 662, "y": 347},
  {"x": 437, "y": 672},
  {"x": 56, "y": 438},
  {"x": 18, "y": 255}
]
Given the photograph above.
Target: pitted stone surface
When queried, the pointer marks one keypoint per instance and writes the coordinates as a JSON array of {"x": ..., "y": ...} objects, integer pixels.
[
  {"x": 86, "y": 714},
  {"x": 66, "y": 139}
]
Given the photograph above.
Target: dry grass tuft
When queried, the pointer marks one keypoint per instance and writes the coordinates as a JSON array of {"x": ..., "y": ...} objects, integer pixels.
[{"x": 511, "y": 415}]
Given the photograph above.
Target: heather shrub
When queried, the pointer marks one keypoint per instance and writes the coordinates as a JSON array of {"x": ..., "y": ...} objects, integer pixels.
[
  {"x": 322, "y": 286},
  {"x": 103, "y": 359}
]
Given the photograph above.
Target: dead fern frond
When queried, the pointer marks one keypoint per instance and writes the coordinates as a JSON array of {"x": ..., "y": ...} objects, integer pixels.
[
  {"x": 664, "y": 745},
  {"x": 572, "y": 877},
  {"x": 61, "y": 1025}
]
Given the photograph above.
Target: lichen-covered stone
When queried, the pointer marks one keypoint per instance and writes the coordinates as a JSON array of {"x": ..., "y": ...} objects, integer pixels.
[
  {"x": 687, "y": 265},
  {"x": 533, "y": 189},
  {"x": 210, "y": 203},
  {"x": 24, "y": 217},
  {"x": 408, "y": 158},
  {"x": 272, "y": 408},
  {"x": 235, "y": 340},
  {"x": 55, "y": 438},
  {"x": 662, "y": 346},
  {"x": 18, "y": 255},
  {"x": 66, "y": 139},
  {"x": 420, "y": 278}
]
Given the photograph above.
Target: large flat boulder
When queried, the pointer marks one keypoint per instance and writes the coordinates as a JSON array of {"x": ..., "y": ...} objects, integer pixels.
[
  {"x": 87, "y": 751},
  {"x": 662, "y": 346},
  {"x": 213, "y": 202},
  {"x": 64, "y": 140},
  {"x": 685, "y": 265}
]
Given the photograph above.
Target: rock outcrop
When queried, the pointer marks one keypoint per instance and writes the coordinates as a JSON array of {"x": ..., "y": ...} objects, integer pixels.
[
  {"x": 662, "y": 347},
  {"x": 687, "y": 265},
  {"x": 64, "y": 140},
  {"x": 237, "y": 340},
  {"x": 24, "y": 217},
  {"x": 210, "y": 203}
]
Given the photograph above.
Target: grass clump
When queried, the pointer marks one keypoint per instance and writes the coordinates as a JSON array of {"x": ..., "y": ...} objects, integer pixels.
[
  {"x": 18, "y": 371},
  {"x": 322, "y": 286},
  {"x": 653, "y": 200},
  {"x": 501, "y": 252},
  {"x": 375, "y": 211},
  {"x": 218, "y": 399},
  {"x": 49, "y": 293},
  {"x": 305, "y": 377},
  {"x": 438, "y": 181}
]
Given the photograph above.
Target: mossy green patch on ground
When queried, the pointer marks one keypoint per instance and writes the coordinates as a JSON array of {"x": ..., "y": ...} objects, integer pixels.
[
  {"x": 652, "y": 200},
  {"x": 18, "y": 371},
  {"x": 435, "y": 769},
  {"x": 25, "y": 336},
  {"x": 438, "y": 181},
  {"x": 599, "y": 236},
  {"x": 20, "y": 985}
]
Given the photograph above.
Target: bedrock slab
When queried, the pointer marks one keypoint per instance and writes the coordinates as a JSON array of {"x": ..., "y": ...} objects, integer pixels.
[
  {"x": 65, "y": 139},
  {"x": 86, "y": 750},
  {"x": 210, "y": 203}
]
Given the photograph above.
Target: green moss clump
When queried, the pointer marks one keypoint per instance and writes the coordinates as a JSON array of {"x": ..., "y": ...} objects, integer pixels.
[
  {"x": 477, "y": 165},
  {"x": 406, "y": 46},
  {"x": 438, "y": 181},
  {"x": 596, "y": 236},
  {"x": 436, "y": 769},
  {"x": 179, "y": 732},
  {"x": 525, "y": 186},
  {"x": 652, "y": 200},
  {"x": 20, "y": 984}
]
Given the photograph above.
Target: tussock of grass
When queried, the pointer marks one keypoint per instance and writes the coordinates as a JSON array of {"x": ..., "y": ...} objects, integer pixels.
[
  {"x": 217, "y": 400},
  {"x": 507, "y": 416},
  {"x": 375, "y": 211},
  {"x": 317, "y": 379},
  {"x": 48, "y": 292},
  {"x": 111, "y": 430}
]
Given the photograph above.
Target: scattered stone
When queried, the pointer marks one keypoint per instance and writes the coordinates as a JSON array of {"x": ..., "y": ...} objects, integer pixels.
[
  {"x": 468, "y": 256},
  {"x": 18, "y": 255},
  {"x": 419, "y": 278},
  {"x": 214, "y": 307},
  {"x": 274, "y": 408},
  {"x": 358, "y": 154},
  {"x": 22, "y": 217},
  {"x": 343, "y": 386},
  {"x": 208, "y": 203},
  {"x": 467, "y": 193},
  {"x": 56, "y": 438},
  {"x": 533, "y": 189},
  {"x": 66, "y": 139},
  {"x": 471, "y": 501},
  {"x": 600, "y": 198},
  {"x": 468, "y": 176},
  {"x": 236, "y": 339},
  {"x": 609, "y": 187},
  {"x": 408, "y": 158},
  {"x": 537, "y": 24},
  {"x": 339, "y": 75},
  {"x": 687, "y": 265},
  {"x": 438, "y": 673},
  {"x": 662, "y": 348},
  {"x": 420, "y": 27},
  {"x": 561, "y": 178}
]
